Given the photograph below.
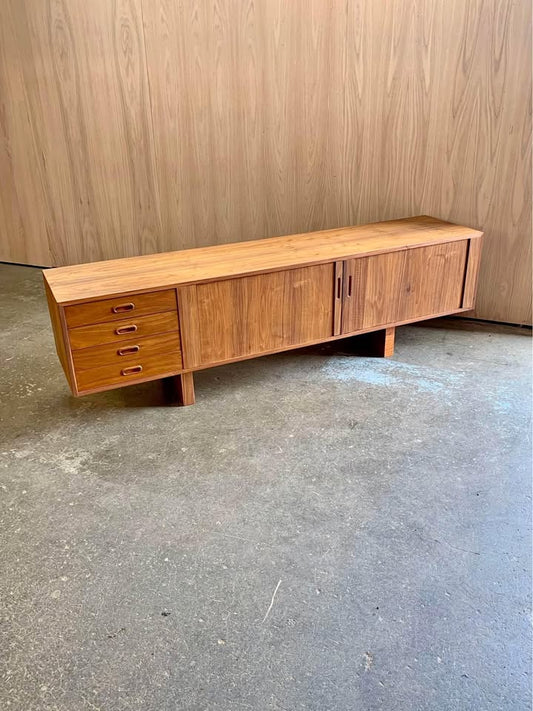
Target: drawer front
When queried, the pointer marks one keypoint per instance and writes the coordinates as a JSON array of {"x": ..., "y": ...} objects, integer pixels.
[
  {"x": 120, "y": 308},
  {"x": 105, "y": 367},
  {"x": 126, "y": 351},
  {"x": 115, "y": 331}
]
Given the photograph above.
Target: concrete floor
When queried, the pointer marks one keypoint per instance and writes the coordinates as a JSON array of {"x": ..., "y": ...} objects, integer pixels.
[{"x": 319, "y": 532}]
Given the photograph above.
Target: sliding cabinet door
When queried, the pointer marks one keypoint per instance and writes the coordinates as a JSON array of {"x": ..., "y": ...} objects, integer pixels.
[
  {"x": 402, "y": 286},
  {"x": 247, "y": 316}
]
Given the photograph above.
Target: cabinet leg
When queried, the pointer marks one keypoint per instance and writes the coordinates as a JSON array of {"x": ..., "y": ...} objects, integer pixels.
[
  {"x": 382, "y": 342},
  {"x": 376, "y": 343},
  {"x": 181, "y": 388},
  {"x": 185, "y": 386}
]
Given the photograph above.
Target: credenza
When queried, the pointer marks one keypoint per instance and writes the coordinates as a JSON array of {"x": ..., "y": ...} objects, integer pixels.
[{"x": 136, "y": 319}]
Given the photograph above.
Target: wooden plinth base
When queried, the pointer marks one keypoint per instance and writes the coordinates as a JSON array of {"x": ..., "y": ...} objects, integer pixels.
[
  {"x": 379, "y": 344},
  {"x": 180, "y": 389},
  {"x": 383, "y": 342}
]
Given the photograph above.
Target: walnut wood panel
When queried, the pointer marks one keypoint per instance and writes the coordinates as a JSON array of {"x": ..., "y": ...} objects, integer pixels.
[
  {"x": 59, "y": 328},
  {"x": 77, "y": 115},
  {"x": 114, "y": 331},
  {"x": 472, "y": 273},
  {"x": 395, "y": 287},
  {"x": 159, "y": 360},
  {"x": 142, "y": 126},
  {"x": 92, "y": 281},
  {"x": 120, "y": 307},
  {"x": 126, "y": 352},
  {"x": 252, "y": 315},
  {"x": 23, "y": 200}
]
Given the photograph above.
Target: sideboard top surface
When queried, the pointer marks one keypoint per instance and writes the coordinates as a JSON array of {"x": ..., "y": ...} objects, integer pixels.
[{"x": 97, "y": 280}]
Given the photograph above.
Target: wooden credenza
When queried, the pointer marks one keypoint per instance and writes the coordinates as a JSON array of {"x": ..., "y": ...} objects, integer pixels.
[{"x": 131, "y": 320}]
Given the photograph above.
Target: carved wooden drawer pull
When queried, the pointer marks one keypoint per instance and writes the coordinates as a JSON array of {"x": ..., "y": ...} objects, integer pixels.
[
  {"x": 125, "y": 329},
  {"x": 123, "y": 307},
  {"x": 132, "y": 370},
  {"x": 128, "y": 350}
]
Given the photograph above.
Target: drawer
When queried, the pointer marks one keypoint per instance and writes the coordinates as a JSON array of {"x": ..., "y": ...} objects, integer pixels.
[
  {"x": 120, "y": 307},
  {"x": 115, "y": 331},
  {"x": 125, "y": 351},
  {"x": 104, "y": 366}
]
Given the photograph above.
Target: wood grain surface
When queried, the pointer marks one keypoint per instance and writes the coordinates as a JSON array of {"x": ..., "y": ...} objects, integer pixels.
[
  {"x": 84, "y": 282},
  {"x": 398, "y": 286},
  {"x": 140, "y": 126},
  {"x": 120, "y": 308},
  {"x": 113, "y": 331},
  {"x": 158, "y": 365},
  {"x": 472, "y": 273},
  {"x": 252, "y": 315},
  {"x": 59, "y": 328},
  {"x": 126, "y": 353}
]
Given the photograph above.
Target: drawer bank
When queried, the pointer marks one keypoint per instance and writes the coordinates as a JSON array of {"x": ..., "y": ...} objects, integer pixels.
[{"x": 130, "y": 320}]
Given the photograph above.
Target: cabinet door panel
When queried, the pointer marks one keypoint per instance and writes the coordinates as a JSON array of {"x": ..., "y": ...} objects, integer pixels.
[
  {"x": 399, "y": 286},
  {"x": 247, "y": 316}
]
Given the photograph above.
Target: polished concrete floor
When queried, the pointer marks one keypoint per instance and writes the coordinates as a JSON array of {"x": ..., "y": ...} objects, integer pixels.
[{"x": 321, "y": 531}]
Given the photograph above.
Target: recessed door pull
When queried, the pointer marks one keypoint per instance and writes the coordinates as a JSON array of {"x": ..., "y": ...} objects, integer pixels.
[
  {"x": 125, "y": 329},
  {"x": 121, "y": 308},
  {"x": 128, "y": 350},
  {"x": 132, "y": 370}
]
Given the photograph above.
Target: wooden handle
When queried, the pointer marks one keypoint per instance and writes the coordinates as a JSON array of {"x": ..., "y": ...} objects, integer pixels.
[
  {"x": 350, "y": 285},
  {"x": 132, "y": 370},
  {"x": 125, "y": 329},
  {"x": 339, "y": 287},
  {"x": 121, "y": 308},
  {"x": 128, "y": 350}
]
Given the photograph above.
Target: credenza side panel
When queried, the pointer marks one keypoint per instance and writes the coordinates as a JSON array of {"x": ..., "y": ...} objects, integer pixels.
[
  {"x": 399, "y": 286},
  {"x": 57, "y": 318},
  {"x": 246, "y": 316},
  {"x": 472, "y": 272}
]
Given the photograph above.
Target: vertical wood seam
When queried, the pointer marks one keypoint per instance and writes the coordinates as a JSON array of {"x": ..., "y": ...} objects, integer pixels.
[{"x": 150, "y": 101}]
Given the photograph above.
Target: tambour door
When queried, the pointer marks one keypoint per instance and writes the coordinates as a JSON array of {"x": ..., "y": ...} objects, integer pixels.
[
  {"x": 247, "y": 316},
  {"x": 404, "y": 285}
]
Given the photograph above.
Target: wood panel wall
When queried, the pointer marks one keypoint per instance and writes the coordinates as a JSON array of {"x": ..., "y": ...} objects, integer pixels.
[{"x": 135, "y": 126}]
